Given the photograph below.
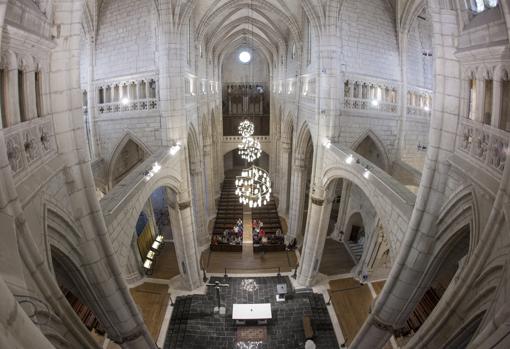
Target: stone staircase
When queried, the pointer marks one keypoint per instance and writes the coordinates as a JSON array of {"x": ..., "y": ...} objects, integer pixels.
[{"x": 356, "y": 249}]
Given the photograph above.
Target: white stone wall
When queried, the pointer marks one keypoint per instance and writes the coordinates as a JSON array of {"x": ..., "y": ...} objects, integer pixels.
[
  {"x": 369, "y": 38},
  {"x": 386, "y": 129},
  {"x": 126, "y": 38},
  {"x": 416, "y": 133},
  {"x": 146, "y": 128},
  {"x": 84, "y": 61},
  {"x": 419, "y": 66},
  {"x": 235, "y": 71}
]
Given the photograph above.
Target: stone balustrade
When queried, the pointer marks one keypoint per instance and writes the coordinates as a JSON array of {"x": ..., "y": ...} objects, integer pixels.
[
  {"x": 133, "y": 94},
  {"x": 484, "y": 143},
  {"x": 371, "y": 95},
  {"x": 238, "y": 139},
  {"x": 419, "y": 102}
]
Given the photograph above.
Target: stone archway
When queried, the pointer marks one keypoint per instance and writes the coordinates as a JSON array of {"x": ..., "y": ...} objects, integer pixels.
[{"x": 301, "y": 182}]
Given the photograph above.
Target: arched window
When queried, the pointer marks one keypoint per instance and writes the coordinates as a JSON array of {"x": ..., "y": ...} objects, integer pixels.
[{"x": 482, "y": 5}]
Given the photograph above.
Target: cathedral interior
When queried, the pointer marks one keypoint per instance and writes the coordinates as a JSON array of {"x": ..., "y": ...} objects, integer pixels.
[{"x": 247, "y": 174}]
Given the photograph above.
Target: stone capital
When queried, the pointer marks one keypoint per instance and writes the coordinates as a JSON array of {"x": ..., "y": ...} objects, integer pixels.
[
  {"x": 317, "y": 201},
  {"x": 184, "y": 205}
]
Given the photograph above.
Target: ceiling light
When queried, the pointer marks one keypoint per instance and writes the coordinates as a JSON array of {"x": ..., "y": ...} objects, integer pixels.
[{"x": 249, "y": 149}]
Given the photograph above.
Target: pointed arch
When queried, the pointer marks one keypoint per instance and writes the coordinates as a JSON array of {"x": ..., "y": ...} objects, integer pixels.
[
  {"x": 304, "y": 137},
  {"x": 121, "y": 145},
  {"x": 370, "y": 135}
]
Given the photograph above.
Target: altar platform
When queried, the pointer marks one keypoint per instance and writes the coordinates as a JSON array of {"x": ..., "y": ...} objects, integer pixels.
[{"x": 194, "y": 325}]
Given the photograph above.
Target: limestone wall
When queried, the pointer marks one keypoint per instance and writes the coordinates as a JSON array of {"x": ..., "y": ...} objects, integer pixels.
[{"x": 126, "y": 38}]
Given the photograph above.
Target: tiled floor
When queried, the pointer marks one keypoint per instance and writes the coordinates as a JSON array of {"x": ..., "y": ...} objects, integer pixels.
[{"x": 195, "y": 326}]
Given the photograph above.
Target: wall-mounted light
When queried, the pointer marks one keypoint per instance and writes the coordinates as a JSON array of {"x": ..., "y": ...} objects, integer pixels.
[
  {"x": 150, "y": 173},
  {"x": 349, "y": 160},
  {"x": 327, "y": 143},
  {"x": 375, "y": 102},
  {"x": 174, "y": 149},
  {"x": 426, "y": 108},
  {"x": 366, "y": 173},
  {"x": 125, "y": 101}
]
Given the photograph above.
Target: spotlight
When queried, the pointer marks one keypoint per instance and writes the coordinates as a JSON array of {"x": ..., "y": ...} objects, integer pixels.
[
  {"x": 327, "y": 143},
  {"x": 426, "y": 108},
  {"x": 375, "y": 102},
  {"x": 349, "y": 160},
  {"x": 366, "y": 174},
  {"x": 125, "y": 101}
]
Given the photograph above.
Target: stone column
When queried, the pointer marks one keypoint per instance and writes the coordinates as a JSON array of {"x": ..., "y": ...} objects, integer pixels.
[
  {"x": 480, "y": 100},
  {"x": 497, "y": 86},
  {"x": 18, "y": 329},
  {"x": 30, "y": 99},
  {"x": 209, "y": 179},
  {"x": 297, "y": 199},
  {"x": 284, "y": 175},
  {"x": 315, "y": 237},
  {"x": 200, "y": 215},
  {"x": 186, "y": 246},
  {"x": 11, "y": 85},
  {"x": 404, "y": 287}
]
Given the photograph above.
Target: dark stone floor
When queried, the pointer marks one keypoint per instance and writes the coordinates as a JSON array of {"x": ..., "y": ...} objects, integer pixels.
[{"x": 194, "y": 325}]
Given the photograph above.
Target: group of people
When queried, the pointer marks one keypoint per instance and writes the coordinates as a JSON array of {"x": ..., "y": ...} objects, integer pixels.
[
  {"x": 260, "y": 236},
  {"x": 230, "y": 236}
]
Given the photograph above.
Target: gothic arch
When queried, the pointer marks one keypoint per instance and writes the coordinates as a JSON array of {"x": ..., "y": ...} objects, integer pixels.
[
  {"x": 128, "y": 136},
  {"x": 460, "y": 210},
  {"x": 371, "y": 135},
  {"x": 304, "y": 136}
]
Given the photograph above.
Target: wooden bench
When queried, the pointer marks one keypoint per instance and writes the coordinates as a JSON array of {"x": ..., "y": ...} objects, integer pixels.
[{"x": 307, "y": 327}]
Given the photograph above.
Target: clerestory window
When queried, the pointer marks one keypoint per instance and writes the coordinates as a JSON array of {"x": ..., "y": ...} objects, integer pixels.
[{"x": 482, "y": 5}]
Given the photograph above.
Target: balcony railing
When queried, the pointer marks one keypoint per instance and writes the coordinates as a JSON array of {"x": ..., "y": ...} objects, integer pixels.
[
  {"x": 484, "y": 143},
  {"x": 132, "y": 106}
]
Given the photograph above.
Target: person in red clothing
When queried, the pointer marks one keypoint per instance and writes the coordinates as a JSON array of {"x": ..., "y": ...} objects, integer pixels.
[{"x": 262, "y": 233}]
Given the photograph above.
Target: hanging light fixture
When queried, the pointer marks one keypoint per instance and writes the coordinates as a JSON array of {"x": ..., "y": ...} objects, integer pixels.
[
  {"x": 253, "y": 187},
  {"x": 249, "y": 149},
  {"x": 246, "y": 128}
]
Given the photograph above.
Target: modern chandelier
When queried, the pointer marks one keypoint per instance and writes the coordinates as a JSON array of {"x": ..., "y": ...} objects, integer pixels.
[
  {"x": 253, "y": 187},
  {"x": 246, "y": 128},
  {"x": 249, "y": 149}
]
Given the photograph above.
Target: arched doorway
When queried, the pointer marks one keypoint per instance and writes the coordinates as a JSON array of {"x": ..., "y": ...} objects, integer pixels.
[
  {"x": 447, "y": 262},
  {"x": 77, "y": 293},
  {"x": 154, "y": 238}
]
